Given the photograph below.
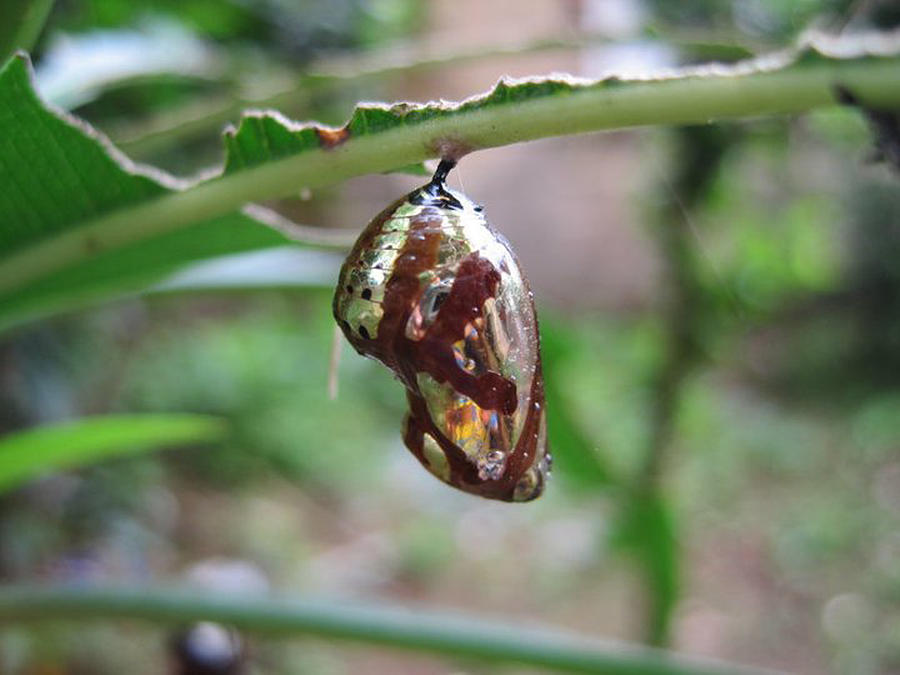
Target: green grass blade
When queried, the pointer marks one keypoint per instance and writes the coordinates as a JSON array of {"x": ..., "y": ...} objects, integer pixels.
[{"x": 28, "y": 454}]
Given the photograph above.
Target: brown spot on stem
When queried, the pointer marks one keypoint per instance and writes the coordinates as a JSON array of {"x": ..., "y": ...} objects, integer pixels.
[{"x": 331, "y": 138}]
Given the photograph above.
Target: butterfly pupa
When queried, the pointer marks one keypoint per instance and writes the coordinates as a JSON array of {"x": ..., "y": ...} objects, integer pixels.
[{"x": 434, "y": 293}]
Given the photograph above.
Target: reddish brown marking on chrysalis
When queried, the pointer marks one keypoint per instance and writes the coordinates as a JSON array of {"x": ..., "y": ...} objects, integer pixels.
[
  {"x": 438, "y": 245},
  {"x": 476, "y": 282},
  {"x": 463, "y": 473}
]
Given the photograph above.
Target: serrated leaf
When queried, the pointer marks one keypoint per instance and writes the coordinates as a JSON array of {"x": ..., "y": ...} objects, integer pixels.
[
  {"x": 265, "y": 136},
  {"x": 67, "y": 201},
  {"x": 58, "y": 172},
  {"x": 34, "y": 452}
]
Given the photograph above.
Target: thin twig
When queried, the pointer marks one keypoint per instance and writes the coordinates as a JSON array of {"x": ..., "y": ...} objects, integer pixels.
[{"x": 425, "y": 631}]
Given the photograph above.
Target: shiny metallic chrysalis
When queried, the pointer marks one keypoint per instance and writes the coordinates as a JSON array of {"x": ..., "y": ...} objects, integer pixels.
[{"x": 436, "y": 295}]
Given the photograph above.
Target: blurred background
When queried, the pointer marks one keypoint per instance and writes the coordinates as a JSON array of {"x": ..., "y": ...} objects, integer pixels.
[{"x": 720, "y": 311}]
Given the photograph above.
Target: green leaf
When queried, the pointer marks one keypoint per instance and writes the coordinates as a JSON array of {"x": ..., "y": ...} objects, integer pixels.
[
  {"x": 68, "y": 200},
  {"x": 342, "y": 73},
  {"x": 133, "y": 268},
  {"x": 21, "y": 23},
  {"x": 59, "y": 172},
  {"x": 28, "y": 454}
]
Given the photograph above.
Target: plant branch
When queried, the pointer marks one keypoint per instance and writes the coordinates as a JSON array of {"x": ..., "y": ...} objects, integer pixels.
[
  {"x": 193, "y": 120},
  {"x": 455, "y": 636},
  {"x": 511, "y": 114}
]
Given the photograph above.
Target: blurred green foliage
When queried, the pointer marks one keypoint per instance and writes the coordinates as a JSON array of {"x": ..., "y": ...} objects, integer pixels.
[
  {"x": 293, "y": 29},
  {"x": 769, "y": 388},
  {"x": 30, "y": 453},
  {"x": 268, "y": 373}
]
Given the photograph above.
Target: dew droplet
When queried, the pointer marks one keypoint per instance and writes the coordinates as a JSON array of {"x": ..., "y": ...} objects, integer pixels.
[
  {"x": 547, "y": 464},
  {"x": 492, "y": 465}
]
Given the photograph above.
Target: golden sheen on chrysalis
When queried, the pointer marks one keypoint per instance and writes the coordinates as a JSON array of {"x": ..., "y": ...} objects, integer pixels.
[{"x": 435, "y": 294}]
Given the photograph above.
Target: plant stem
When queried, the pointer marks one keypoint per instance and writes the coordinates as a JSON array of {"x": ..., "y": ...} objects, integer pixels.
[
  {"x": 456, "y": 635},
  {"x": 695, "y": 97},
  {"x": 140, "y": 139},
  {"x": 698, "y": 153}
]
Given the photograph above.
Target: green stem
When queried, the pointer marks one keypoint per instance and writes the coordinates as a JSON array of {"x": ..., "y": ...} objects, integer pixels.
[
  {"x": 180, "y": 126},
  {"x": 456, "y": 635},
  {"x": 689, "y": 98},
  {"x": 699, "y": 151}
]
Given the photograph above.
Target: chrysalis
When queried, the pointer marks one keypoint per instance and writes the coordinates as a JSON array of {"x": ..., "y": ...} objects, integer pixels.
[{"x": 436, "y": 295}]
